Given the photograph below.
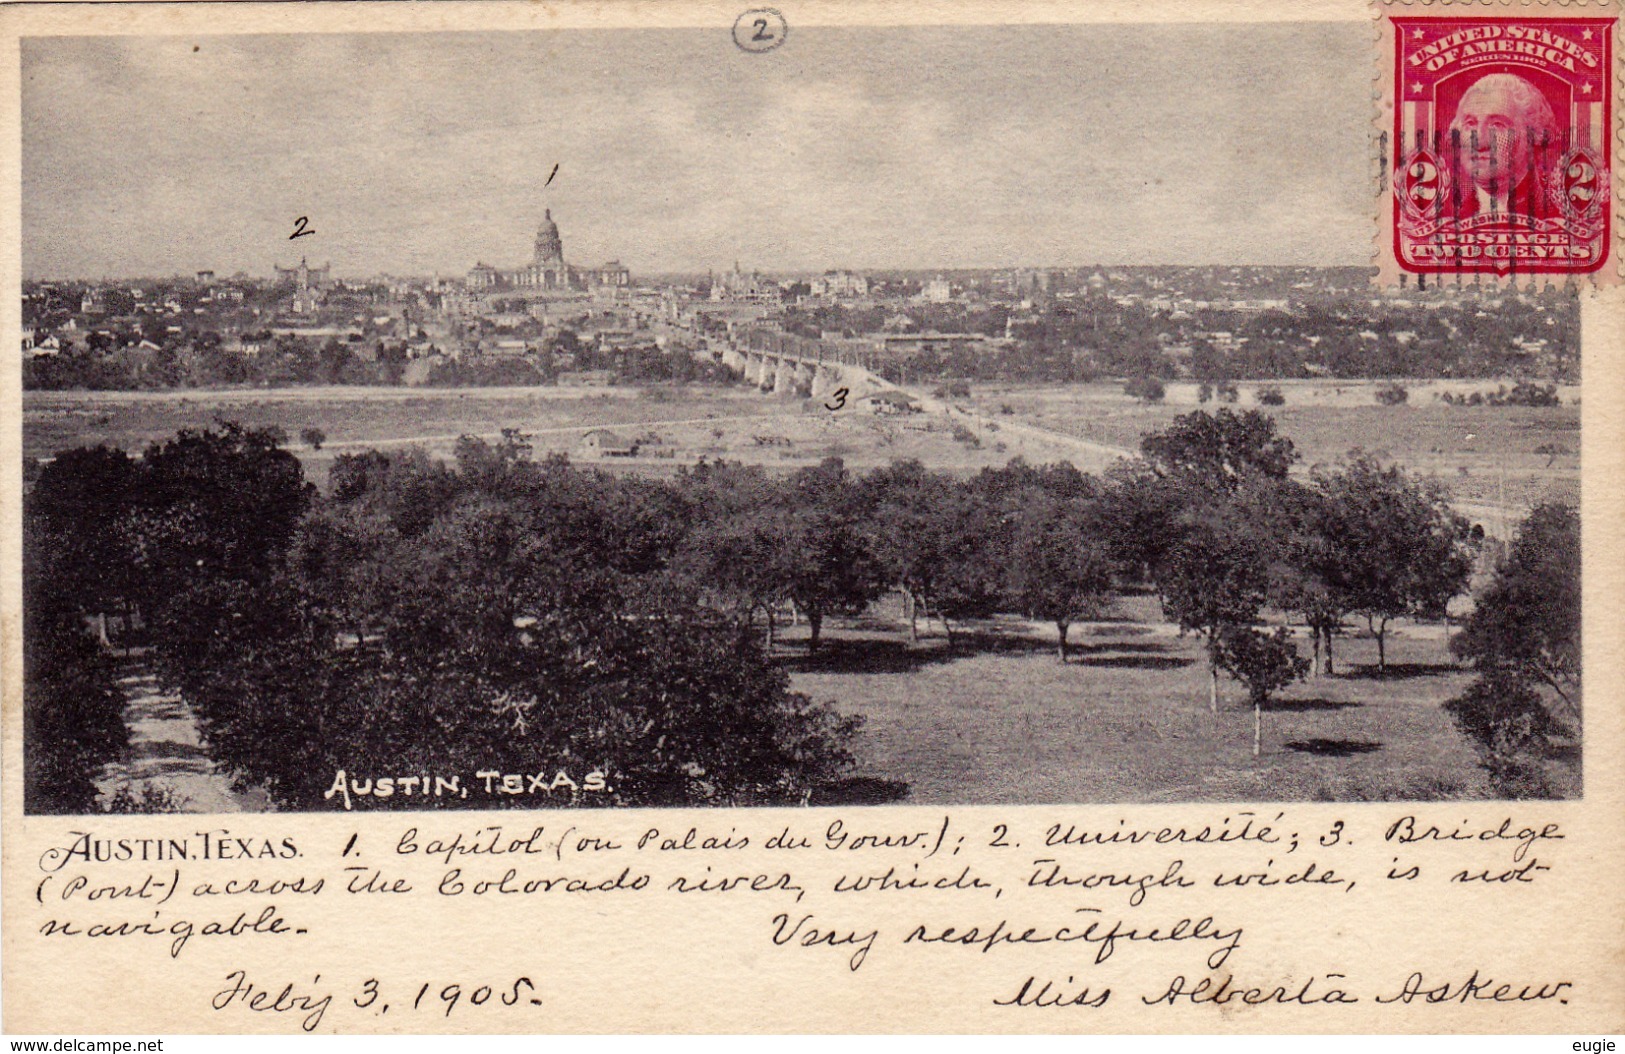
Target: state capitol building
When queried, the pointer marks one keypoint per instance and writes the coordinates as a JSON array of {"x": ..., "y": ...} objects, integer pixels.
[{"x": 547, "y": 271}]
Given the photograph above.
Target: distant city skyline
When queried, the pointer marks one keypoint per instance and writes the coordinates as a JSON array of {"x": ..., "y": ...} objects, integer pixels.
[{"x": 895, "y": 148}]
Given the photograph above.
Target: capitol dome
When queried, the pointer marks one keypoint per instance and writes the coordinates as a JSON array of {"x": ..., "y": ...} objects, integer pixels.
[{"x": 549, "y": 247}]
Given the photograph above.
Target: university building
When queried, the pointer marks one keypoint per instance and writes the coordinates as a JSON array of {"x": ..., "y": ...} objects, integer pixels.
[{"x": 304, "y": 277}]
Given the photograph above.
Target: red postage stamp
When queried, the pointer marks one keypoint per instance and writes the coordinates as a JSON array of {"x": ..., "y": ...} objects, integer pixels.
[{"x": 1502, "y": 133}]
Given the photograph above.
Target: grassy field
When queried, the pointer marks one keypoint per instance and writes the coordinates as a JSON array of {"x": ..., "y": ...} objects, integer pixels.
[
  {"x": 1484, "y": 454},
  {"x": 676, "y": 425},
  {"x": 1126, "y": 720}
]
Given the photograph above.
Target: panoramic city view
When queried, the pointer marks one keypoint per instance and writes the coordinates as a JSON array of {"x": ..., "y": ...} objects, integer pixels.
[{"x": 967, "y": 512}]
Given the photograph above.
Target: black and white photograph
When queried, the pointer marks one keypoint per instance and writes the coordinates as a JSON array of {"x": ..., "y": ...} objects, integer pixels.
[{"x": 801, "y": 415}]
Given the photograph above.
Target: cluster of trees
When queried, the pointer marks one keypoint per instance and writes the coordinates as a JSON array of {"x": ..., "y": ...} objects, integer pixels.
[
  {"x": 73, "y": 710},
  {"x": 564, "y": 350},
  {"x": 102, "y": 363},
  {"x": 487, "y": 372},
  {"x": 1146, "y": 389},
  {"x": 1348, "y": 338},
  {"x": 202, "y": 360},
  {"x": 647, "y": 363},
  {"x": 853, "y": 320},
  {"x": 496, "y": 610},
  {"x": 1226, "y": 533},
  {"x": 1095, "y": 335},
  {"x": 1524, "y": 639},
  {"x": 494, "y": 613},
  {"x": 1523, "y": 393},
  {"x": 1018, "y": 539},
  {"x": 1222, "y": 388},
  {"x": 175, "y": 539}
]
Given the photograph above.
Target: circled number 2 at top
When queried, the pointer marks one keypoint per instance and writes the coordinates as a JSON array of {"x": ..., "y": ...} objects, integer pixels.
[{"x": 760, "y": 29}]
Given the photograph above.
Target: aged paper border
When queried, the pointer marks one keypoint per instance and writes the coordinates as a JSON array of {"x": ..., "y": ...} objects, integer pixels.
[{"x": 1579, "y": 922}]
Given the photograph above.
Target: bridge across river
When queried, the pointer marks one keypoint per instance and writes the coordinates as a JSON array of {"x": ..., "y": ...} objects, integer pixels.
[{"x": 790, "y": 364}]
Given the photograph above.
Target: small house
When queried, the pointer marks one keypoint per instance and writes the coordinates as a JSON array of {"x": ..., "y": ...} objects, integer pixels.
[
  {"x": 893, "y": 402},
  {"x": 601, "y": 442},
  {"x": 508, "y": 348}
]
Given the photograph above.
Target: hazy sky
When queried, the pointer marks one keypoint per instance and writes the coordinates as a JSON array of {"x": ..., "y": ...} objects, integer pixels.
[{"x": 953, "y": 147}]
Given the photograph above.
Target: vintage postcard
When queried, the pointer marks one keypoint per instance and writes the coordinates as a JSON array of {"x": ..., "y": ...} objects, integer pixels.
[{"x": 1078, "y": 517}]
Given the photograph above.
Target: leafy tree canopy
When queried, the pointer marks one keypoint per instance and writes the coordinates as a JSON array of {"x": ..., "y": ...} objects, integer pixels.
[
  {"x": 1221, "y": 449},
  {"x": 1527, "y": 623}
]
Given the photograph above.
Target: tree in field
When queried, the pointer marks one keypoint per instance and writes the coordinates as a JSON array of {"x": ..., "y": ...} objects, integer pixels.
[
  {"x": 1264, "y": 662},
  {"x": 1214, "y": 580},
  {"x": 1059, "y": 567},
  {"x": 1206, "y": 365},
  {"x": 407, "y": 488},
  {"x": 72, "y": 708},
  {"x": 911, "y": 552},
  {"x": 740, "y": 560},
  {"x": 1147, "y": 389},
  {"x": 1307, "y": 571},
  {"x": 80, "y": 514},
  {"x": 589, "y": 519},
  {"x": 832, "y": 568},
  {"x": 312, "y": 437},
  {"x": 218, "y": 513},
  {"x": 736, "y": 552},
  {"x": 1399, "y": 548},
  {"x": 340, "y": 553},
  {"x": 1524, "y": 639},
  {"x": 933, "y": 538},
  {"x": 1511, "y": 725},
  {"x": 1219, "y": 450},
  {"x": 1058, "y": 479},
  {"x": 1527, "y": 623},
  {"x": 1142, "y": 517},
  {"x": 1553, "y": 451},
  {"x": 969, "y": 584},
  {"x": 1207, "y": 513},
  {"x": 219, "y": 504},
  {"x": 490, "y": 466}
]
